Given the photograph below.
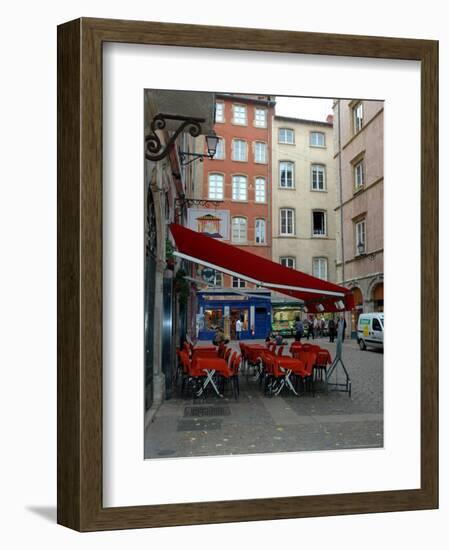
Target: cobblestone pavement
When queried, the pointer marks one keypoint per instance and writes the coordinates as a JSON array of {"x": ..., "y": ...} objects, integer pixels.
[{"x": 259, "y": 424}]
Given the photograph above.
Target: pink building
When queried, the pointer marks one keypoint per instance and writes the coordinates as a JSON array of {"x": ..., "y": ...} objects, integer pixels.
[{"x": 358, "y": 146}]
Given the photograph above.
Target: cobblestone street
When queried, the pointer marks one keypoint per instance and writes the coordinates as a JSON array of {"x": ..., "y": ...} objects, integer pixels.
[{"x": 258, "y": 424}]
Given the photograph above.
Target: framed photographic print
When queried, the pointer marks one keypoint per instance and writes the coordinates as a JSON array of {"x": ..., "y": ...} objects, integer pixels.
[{"x": 233, "y": 205}]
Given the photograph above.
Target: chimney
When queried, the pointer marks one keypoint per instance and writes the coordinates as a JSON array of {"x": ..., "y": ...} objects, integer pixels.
[{"x": 330, "y": 119}]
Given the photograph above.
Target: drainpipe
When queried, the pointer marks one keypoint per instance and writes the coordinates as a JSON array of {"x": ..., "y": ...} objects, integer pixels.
[{"x": 340, "y": 184}]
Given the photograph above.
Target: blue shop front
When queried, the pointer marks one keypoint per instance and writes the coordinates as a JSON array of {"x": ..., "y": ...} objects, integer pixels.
[{"x": 222, "y": 309}]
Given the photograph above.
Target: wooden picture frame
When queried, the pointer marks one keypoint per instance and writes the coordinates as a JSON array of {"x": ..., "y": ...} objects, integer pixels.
[{"x": 80, "y": 504}]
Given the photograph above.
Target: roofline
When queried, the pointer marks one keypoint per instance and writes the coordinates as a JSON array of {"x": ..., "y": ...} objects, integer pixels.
[
  {"x": 304, "y": 120},
  {"x": 267, "y": 102}
]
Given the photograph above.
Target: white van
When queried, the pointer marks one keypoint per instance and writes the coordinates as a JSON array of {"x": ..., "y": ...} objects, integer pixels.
[{"x": 370, "y": 330}]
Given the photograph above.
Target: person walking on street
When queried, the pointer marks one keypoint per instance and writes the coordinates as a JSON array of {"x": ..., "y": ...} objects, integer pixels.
[
  {"x": 238, "y": 328},
  {"x": 331, "y": 327},
  {"x": 299, "y": 329},
  {"x": 316, "y": 328}
]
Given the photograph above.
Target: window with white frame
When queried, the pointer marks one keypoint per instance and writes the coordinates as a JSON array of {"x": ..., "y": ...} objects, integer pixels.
[
  {"x": 260, "y": 231},
  {"x": 218, "y": 279},
  {"x": 239, "y": 150},
  {"x": 239, "y": 114},
  {"x": 287, "y": 221},
  {"x": 216, "y": 186},
  {"x": 260, "y": 193},
  {"x": 357, "y": 117},
  {"x": 359, "y": 175},
  {"x": 360, "y": 237},
  {"x": 260, "y": 118},
  {"x": 219, "y": 111},
  {"x": 317, "y": 139},
  {"x": 220, "y": 152},
  {"x": 288, "y": 261},
  {"x": 239, "y": 188},
  {"x": 260, "y": 151},
  {"x": 238, "y": 283},
  {"x": 320, "y": 268},
  {"x": 286, "y": 135},
  {"x": 286, "y": 174},
  {"x": 239, "y": 230},
  {"x": 318, "y": 177},
  {"x": 318, "y": 223}
]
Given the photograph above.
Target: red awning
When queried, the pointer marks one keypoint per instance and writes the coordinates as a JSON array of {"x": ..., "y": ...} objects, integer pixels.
[{"x": 317, "y": 295}]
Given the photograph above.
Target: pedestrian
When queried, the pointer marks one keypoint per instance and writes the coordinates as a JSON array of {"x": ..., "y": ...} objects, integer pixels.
[
  {"x": 219, "y": 337},
  {"x": 278, "y": 339},
  {"x": 316, "y": 328},
  {"x": 238, "y": 328},
  {"x": 309, "y": 328},
  {"x": 331, "y": 327},
  {"x": 322, "y": 327},
  {"x": 299, "y": 328}
]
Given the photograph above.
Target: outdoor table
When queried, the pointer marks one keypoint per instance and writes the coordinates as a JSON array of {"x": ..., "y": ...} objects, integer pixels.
[
  {"x": 289, "y": 365},
  {"x": 209, "y": 366},
  {"x": 205, "y": 352}
]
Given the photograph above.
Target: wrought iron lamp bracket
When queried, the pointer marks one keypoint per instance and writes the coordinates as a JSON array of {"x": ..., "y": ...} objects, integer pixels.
[{"x": 154, "y": 149}]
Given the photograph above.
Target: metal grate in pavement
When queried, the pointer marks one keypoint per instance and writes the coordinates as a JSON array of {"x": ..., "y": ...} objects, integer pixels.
[{"x": 200, "y": 411}]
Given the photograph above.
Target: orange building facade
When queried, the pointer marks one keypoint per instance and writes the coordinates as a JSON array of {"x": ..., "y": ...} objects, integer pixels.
[{"x": 239, "y": 176}]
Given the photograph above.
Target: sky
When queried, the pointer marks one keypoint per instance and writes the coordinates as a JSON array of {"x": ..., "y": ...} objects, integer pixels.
[{"x": 308, "y": 108}]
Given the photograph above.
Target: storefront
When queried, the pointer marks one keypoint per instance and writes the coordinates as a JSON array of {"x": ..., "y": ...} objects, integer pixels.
[
  {"x": 222, "y": 310},
  {"x": 284, "y": 318}
]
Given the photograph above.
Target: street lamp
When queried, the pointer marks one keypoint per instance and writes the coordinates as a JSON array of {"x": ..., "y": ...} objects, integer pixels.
[
  {"x": 361, "y": 248},
  {"x": 211, "y": 144}
]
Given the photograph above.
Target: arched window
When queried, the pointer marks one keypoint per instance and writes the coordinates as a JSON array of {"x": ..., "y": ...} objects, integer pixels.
[
  {"x": 239, "y": 230},
  {"x": 239, "y": 188},
  {"x": 216, "y": 186},
  {"x": 260, "y": 231}
]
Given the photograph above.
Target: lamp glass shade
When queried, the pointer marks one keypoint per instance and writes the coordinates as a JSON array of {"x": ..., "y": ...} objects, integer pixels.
[
  {"x": 211, "y": 142},
  {"x": 361, "y": 247}
]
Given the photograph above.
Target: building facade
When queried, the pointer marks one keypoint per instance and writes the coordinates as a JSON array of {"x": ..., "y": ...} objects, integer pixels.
[
  {"x": 237, "y": 181},
  {"x": 167, "y": 302},
  {"x": 304, "y": 196},
  {"x": 358, "y": 144}
]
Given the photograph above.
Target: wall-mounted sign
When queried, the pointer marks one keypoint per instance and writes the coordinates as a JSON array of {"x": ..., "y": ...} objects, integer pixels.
[{"x": 209, "y": 222}]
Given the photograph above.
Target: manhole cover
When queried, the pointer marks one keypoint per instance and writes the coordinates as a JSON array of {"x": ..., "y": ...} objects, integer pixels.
[
  {"x": 199, "y": 425},
  {"x": 203, "y": 410}
]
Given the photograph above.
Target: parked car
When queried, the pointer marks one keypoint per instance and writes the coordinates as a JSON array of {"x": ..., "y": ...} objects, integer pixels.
[{"x": 370, "y": 330}]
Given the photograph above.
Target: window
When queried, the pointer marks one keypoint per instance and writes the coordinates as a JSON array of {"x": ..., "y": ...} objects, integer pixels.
[
  {"x": 260, "y": 231},
  {"x": 320, "y": 268},
  {"x": 260, "y": 194},
  {"x": 318, "y": 223},
  {"x": 260, "y": 152},
  {"x": 213, "y": 319},
  {"x": 239, "y": 188},
  {"x": 286, "y": 174},
  {"x": 218, "y": 279},
  {"x": 360, "y": 238},
  {"x": 219, "y": 112},
  {"x": 359, "y": 175},
  {"x": 216, "y": 186},
  {"x": 287, "y": 221},
  {"x": 288, "y": 261},
  {"x": 239, "y": 150},
  {"x": 239, "y": 230},
  {"x": 220, "y": 152},
  {"x": 239, "y": 114},
  {"x": 318, "y": 177},
  {"x": 260, "y": 118},
  {"x": 286, "y": 135},
  {"x": 238, "y": 283},
  {"x": 357, "y": 114},
  {"x": 317, "y": 139}
]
